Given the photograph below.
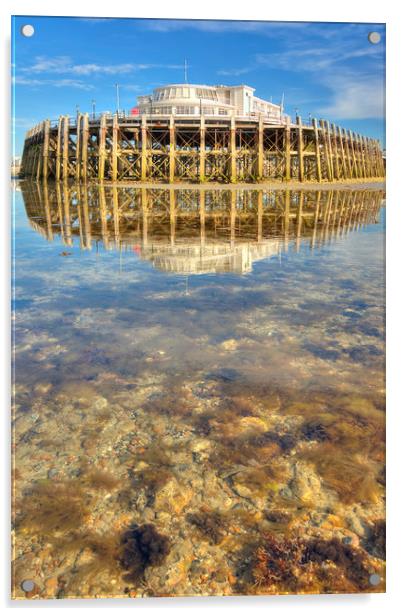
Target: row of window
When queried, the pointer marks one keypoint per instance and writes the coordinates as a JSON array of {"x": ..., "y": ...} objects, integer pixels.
[
  {"x": 170, "y": 93},
  {"x": 186, "y": 110}
]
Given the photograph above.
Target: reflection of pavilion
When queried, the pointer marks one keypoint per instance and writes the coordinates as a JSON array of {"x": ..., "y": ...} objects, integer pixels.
[
  {"x": 211, "y": 258},
  {"x": 192, "y": 230}
]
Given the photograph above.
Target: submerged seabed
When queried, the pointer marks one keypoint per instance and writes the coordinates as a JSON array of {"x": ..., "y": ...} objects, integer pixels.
[{"x": 199, "y": 391}]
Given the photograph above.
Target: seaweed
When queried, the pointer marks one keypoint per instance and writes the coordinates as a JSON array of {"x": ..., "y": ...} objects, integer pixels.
[
  {"x": 276, "y": 563},
  {"x": 53, "y": 506},
  {"x": 376, "y": 539},
  {"x": 351, "y": 560},
  {"x": 142, "y": 547},
  {"x": 210, "y": 524},
  {"x": 285, "y": 564},
  {"x": 352, "y": 478}
]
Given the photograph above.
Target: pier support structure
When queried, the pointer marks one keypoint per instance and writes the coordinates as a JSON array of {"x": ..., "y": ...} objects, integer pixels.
[{"x": 187, "y": 149}]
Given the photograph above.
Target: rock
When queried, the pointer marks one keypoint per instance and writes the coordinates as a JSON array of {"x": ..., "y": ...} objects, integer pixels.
[
  {"x": 51, "y": 586},
  {"x": 173, "y": 497}
]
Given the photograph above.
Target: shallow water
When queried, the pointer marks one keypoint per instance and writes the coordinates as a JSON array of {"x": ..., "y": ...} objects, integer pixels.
[{"x": 199, "y": 391}]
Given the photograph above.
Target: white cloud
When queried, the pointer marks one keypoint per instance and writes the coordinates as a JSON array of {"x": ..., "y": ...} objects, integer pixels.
[
  {"x": 57, "y": 83},
  {"x": 65, "y": 65}
]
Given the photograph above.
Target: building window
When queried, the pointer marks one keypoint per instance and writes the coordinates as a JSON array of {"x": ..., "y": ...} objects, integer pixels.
[
  {"x": 185, "y": 110},
  {"x": 222, "y": 111}
]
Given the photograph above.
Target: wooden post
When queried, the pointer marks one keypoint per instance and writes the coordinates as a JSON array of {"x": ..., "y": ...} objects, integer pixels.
[
  {"x": 300, "y": 148},
  {"x": 84, "y": 146},
  {"x": 260, "y": 155},
  {"x": 330, "y": 153},
  {"x": 344, "y": 165},
  {"x": 369, "y": 164},
  {"x": 39, "y": 162},
  {"x": 144, "y": 143},
  {"x": 233, "y": 171},
  {"x": 326, "y": 151},
  {"x": 78, "y": 149},
  {"x": 66, "y": 130},
  {"x": 336, "y": 154},
  {"x": 352, "y": 151},
  {"x": 45, "y": 166},
  {"x": 101, "y": 148},
  {"x": 115, "y": 146},
  {"x": 317, "y": 151},
  {"x": 202, "y": 149},
  {"x": 233, "y": 213},
  {"x": 58, "y": 147},
  {"x": 363, "y": 156},
  {"x": 172, "y": 149},
  {"x": 348, "y": 154},
  {"x": 287, "y": 153}
]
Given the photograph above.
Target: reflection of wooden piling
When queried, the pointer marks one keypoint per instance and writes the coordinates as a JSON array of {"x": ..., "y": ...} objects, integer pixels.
[
  {"x": 316, "y": 219},
  {"x": 144, "y": 206},
  {"x": 172, "y": 215},
  {"x": 259, "y": 215},
  {"x": 202, "y": 218},
  {"x": 66, "y": 214}
]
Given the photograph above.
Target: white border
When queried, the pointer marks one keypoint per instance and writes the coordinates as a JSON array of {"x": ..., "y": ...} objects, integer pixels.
[{"x": 291, "y": 10}]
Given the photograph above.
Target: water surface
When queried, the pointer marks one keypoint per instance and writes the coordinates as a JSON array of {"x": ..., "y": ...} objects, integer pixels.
[{"x": 199, "y": 391}]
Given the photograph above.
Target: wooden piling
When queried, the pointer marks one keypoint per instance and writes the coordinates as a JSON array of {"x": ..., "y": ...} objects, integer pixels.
[
  {"x": 58, "y": 147},
  {"x": 45, "y": 166},
  {"x": 287, "y": 153},
  {"x": 84, "y": 146},
  {"x": 172, "y": 149},
  {"x": 233, "y": 170},
  {"x": 101, "y": 148},
  {"x": 317, "y": 151},
  {"x": 260, "y": 156},
  {"x": 202, "y": 149},
  {"x": 78, "y": 148},
  {"x": 144, "y": 148},
  {"x": 337, "y": 173},
  {"x": 66, "y": 139},
  {"x": 300, "y": 148},
  {"x": 115, "y": 146}
]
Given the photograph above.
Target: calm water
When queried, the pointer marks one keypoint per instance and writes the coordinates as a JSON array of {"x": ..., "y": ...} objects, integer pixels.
[{"x": 199, "y": 391}]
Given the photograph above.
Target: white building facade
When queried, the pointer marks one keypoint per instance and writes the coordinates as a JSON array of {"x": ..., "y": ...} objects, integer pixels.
[{"x": 195, "y": 100}]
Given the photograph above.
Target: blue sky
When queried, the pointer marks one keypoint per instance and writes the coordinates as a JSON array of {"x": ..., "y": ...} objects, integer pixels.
[{"x": 328, "y": 70}]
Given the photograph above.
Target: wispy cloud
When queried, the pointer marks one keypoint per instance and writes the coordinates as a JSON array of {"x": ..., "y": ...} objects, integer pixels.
[
  {"x": 65, "y": 65},
  {"x": 338, "y": 59},
  {"x": 57, "y": 83},
  {"x": 219, "y": 26}
]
